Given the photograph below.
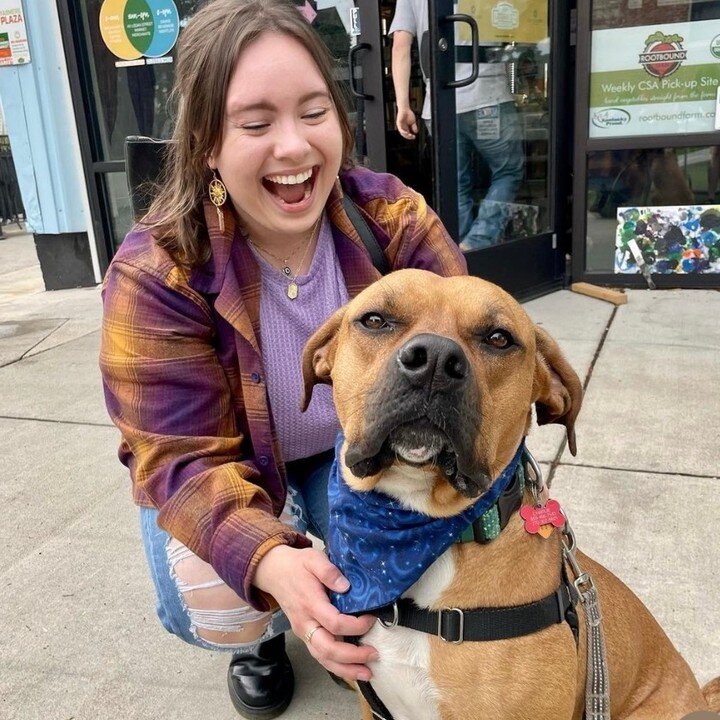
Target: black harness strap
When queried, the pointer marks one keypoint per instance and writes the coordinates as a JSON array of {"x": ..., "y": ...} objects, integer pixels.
[
  {"x": 368, "y": 239},
  {"x": 478, "y": 625},
  {"x": 371, "y": 698},
  {"x": 481, "y": 624}
]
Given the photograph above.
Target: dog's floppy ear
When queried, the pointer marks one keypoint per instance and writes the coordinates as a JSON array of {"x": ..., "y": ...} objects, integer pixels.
[
  {"x": 319, "y": 355},
  {"x": 556, "y": 388}
]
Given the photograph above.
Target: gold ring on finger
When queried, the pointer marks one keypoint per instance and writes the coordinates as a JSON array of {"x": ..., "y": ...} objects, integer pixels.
[{"x": 308, "y": 635}]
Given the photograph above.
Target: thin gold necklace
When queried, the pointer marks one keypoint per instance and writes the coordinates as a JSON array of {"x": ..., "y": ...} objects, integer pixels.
[
  {"x": 292, "y": 288},
  {"x": 285, "y": 261}
]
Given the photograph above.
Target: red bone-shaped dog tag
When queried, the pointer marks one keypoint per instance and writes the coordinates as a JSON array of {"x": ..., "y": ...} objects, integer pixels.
[{"x": 542, "y": 518}]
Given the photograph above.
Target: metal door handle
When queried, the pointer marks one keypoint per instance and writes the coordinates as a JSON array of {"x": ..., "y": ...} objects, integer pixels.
[
  {"x": 474, "y": 40},
  {"x": 351, "y": 64}
]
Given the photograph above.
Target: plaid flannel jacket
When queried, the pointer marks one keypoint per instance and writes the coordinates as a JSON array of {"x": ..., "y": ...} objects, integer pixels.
[{"x": 183, "y": 374}]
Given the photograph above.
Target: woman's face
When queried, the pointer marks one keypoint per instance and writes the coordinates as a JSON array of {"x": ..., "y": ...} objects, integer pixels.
[{"x": 282, "y": 144}]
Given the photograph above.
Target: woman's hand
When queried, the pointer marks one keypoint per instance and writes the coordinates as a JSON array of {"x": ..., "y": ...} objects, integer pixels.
[{"x": 298, "y": 579}]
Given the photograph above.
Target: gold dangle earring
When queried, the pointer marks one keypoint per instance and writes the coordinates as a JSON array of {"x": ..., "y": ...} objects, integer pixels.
[{"x": 218, "y": 196}]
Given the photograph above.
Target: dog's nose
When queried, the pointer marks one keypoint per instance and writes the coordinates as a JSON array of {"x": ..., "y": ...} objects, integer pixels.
[{"x": 435, "y": 359}]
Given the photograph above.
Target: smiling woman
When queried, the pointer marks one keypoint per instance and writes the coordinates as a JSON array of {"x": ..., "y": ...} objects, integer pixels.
[
  {"x": 281, "y": 146},
  {"x": 208, "y": 303}
]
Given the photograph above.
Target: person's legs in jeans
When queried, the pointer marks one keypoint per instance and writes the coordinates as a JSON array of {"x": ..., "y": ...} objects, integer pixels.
[
  {"x": 307, "y": 487},
  {"x": 195, "y": 604},
  {"x": 504, "y": 157},
  {"x": 465, "y": 175}
]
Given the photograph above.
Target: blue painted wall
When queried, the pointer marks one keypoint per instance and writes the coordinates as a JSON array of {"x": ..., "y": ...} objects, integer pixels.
[{"x": 39, "y": 116}]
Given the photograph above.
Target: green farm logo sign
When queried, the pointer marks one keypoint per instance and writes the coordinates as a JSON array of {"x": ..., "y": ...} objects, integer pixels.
[
  {"x": 132, "y": 29},
  {"x": 715, "y": 47},
  {"x": 663, "y": 54}
]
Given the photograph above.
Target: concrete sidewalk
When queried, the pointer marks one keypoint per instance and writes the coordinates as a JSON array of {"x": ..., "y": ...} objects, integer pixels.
[{"x": 79, "y": 639}]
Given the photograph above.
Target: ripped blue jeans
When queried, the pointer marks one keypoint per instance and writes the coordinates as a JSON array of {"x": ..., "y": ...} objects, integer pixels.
[{"x": 195, "y": 604}]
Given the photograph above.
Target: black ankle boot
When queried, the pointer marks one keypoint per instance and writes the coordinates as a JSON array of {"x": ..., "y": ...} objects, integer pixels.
[{"x": 261, "y": 684}]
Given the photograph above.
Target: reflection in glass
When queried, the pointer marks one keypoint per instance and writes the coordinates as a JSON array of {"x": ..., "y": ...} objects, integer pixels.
[
  {"x": 502, "y": 121},
  {"x": 332, "y": 23},
  {"x": 121, "y": 216},
  {"x": 508, "y": 179},
  {"x": 503, "y": 148},
  {"x": 671, "y": 179}
]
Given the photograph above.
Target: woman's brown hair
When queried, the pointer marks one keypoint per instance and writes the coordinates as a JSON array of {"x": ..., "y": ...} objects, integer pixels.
[{"x": 207, "y": 53}]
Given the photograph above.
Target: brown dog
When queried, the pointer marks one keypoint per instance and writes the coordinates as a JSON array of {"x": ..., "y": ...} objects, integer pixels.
[{"x": 424, "y": 367}]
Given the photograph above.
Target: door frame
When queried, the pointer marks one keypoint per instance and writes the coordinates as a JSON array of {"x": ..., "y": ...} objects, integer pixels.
[
  {"x": 371, "y": 62},
  {"x": 529, "y": 266},
  {"x": 76, "y": 58}
]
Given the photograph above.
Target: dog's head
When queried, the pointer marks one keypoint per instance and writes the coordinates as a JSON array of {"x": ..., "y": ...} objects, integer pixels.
[{"x": 434, "y": 380}]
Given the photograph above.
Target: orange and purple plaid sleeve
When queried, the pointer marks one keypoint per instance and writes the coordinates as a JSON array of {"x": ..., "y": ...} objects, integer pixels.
[
  {"x": 417, "y": 237},
  {"x": 167, "y": 392}
]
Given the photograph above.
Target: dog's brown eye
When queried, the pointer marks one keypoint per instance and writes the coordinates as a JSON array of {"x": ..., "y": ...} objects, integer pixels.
[
  {"x": 499, "y": 339},
  {"x": 374, "y": 321}
]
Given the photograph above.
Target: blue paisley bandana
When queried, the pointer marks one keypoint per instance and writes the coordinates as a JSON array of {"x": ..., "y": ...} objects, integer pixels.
[{"x": 383, "y": 548}]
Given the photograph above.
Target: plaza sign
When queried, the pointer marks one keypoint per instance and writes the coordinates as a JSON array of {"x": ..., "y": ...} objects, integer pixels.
[{"x": 14, "y": 48}]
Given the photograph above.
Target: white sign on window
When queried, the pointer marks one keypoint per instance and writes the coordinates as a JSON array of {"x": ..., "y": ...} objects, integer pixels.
[
  {"x": 14, "y": 48},
  {"x": 655, "y": 79}
]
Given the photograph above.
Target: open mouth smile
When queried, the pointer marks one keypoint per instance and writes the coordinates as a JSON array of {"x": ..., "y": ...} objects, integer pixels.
[{"x": 292, "y": 192}]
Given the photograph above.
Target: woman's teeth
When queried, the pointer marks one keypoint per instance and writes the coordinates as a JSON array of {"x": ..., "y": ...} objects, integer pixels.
[{"x": 290, "y": 179}]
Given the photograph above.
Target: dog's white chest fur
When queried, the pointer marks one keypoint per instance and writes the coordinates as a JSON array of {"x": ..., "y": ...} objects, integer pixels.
[{"x": 401, "y": 677}]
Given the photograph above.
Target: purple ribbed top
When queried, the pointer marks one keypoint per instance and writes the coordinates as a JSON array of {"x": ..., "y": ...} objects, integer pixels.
[{"x": 285, "y": 327}]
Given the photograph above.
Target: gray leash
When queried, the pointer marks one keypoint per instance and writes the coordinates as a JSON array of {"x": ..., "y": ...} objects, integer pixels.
[{"x": 597, "y": 684}]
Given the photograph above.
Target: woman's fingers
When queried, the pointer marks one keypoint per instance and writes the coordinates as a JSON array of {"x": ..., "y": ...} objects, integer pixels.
[
  {"x": 341, "y": 658},
  {"x": 326, "y": 572},
  {"x": 337, "y": 623},
  {"x": 299, "y": 580},
  {"x": 329, "y": 648}
]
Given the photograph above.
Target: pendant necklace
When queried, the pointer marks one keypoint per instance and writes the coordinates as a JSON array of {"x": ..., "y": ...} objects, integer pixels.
[
  {"x": 286, "y": 271},
  {"x": 292, "y": 288}
]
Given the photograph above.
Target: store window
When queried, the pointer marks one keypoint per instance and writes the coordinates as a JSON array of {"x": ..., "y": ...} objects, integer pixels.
[
  {"x": 652, "y": 155},
  {"x": 655, "y": 67},
  {"x": 660, "y": 202},
  {"x": 131, "y": 68}
]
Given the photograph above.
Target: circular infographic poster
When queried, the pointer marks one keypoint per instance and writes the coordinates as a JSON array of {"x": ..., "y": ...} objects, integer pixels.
[{"x": 132, "y": 29}]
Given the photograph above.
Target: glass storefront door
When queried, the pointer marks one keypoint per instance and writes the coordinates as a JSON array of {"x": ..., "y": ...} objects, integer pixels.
[
  {"x": 508, "y": 207},
  {"x": 121, "y": 58}
]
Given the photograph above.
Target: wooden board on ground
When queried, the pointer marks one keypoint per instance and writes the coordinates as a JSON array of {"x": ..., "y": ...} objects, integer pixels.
[{"x": 616, "y": 297}]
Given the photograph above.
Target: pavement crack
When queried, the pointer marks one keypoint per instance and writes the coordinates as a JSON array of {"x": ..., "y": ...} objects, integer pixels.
[
  {"x": 643, "y": 471},
  {"x": 54, "y": 347},
  {"x": 42, "y": 340},
  {"x": 556, "y": 460},
  {"x": 58, "y": 422}
]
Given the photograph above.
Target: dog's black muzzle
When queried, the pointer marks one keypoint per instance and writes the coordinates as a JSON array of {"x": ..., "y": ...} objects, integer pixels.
[{"x": 427, "y": 397}]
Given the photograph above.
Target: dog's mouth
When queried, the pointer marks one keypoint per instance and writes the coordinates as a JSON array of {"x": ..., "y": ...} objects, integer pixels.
[{"x": 419, "y": 443}]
